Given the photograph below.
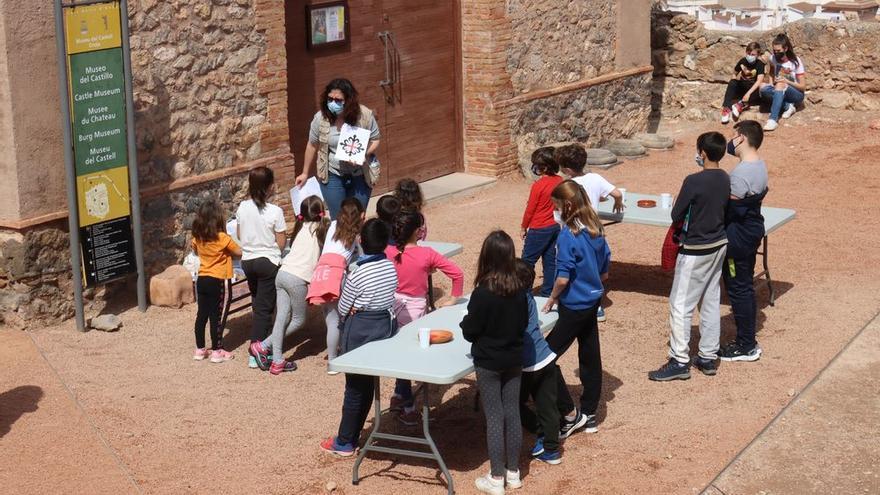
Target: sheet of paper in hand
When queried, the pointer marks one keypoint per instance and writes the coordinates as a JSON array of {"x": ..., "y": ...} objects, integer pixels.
[
  {"x": 298, "y": 194},
  {"x": 352, "y": 145}
]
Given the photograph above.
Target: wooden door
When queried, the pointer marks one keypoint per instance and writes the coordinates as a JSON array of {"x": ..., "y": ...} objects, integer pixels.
[
  {"x": 402, "y": 60},
  {"x": 422, "y": 102}
]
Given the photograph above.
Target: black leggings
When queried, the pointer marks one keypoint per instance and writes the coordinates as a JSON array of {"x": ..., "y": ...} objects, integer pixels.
[
  {"x": 260, "y": 274},
  {"x": 580, "y": 325},
  {"x": 736, "y": 89},
  {"x": 213, "y": 294}
]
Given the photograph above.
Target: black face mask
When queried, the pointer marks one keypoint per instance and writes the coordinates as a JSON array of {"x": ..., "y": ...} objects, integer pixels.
[{"x": 780, "y": 57}]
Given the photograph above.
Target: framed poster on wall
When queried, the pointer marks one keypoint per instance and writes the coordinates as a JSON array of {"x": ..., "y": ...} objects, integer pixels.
[{"x": 327, "y": 24}]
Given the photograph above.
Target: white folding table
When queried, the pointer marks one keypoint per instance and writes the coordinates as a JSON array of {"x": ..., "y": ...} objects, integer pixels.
[
  {"x": 774, "y": 218},
  {"x": 401, "y": 357}
]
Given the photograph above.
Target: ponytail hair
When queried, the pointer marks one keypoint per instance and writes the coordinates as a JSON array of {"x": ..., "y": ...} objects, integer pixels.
[
  {"x": 577, "y": 213},
  {"x": 260, "y": 180},
  {"x": 349, "y": 222},
  {"x": 312, "y": 210},
  {"x": 406, "y": 224}
]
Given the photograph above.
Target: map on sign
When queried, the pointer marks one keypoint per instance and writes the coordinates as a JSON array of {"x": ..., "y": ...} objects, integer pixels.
[{"x": 352, "y": 145}]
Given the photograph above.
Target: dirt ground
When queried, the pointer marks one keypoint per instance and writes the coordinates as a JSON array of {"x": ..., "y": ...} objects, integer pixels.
[{"x": 181, "y": 426}]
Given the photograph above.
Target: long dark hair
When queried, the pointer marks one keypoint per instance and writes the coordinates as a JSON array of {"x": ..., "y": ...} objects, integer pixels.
[
  {"x": 312, "y": 210},
  {"x": 496, "y": 267},
  {"x": 349, "y": 222},
  {"x": 351, "y": 112},
  {"x": 406, "y": 224},
  {"x": 259, "y": 181},
  {"x": 782, "y": 40},
  {"x": 208, "y": 224},
  {"x": 410, "y": 195}
]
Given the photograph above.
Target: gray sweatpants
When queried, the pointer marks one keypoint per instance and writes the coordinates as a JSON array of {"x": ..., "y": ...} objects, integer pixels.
[
  {"x": 499, "y": 392},
  {"x": 696, "y": 278},
  {"x": 290, "y": 312},
  {"x": 331, "y": 318}
]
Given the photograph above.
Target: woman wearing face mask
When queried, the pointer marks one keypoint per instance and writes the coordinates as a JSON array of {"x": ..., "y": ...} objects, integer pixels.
[
  {"x": 340, "y": 179},
  {"x": 788, "y": 82},
  {"x": 748, "y": 76}
]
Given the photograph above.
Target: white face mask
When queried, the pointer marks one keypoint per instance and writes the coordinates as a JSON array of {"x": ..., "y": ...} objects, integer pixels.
[
  {"x": 751, "y": 59},
  {"x": 557, "y": 217}
]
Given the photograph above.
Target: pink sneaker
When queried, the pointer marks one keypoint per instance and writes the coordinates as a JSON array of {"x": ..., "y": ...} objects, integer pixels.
[
  {"x": 277, "y": 368},
  {"x": 201, "y": 354},
  {"x": 220, "y": 356},
  {"x": 260, "y": 356}
]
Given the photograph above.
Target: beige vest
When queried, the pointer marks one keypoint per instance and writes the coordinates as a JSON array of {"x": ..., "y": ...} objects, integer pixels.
[{"x": 371, "y": 173}]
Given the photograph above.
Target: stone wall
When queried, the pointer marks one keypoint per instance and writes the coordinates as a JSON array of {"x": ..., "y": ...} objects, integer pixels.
[
  {"x": 692, "y": 65},
  {"x": 555, "y": 43},
  {"x": 541, "y": 71},
  {"x": 210, "y": 92}
]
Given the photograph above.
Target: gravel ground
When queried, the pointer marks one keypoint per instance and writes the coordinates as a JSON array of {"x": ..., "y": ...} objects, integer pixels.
[{"x": 189, "y": 427}]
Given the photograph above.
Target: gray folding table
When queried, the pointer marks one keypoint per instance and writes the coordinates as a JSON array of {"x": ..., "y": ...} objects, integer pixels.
[
  {"x": 774, "y": 218},
  {"x": 401, "y": 357}
]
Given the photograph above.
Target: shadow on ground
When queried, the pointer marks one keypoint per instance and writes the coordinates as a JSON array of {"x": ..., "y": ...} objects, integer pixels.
[{"x": 15, "y": 403}]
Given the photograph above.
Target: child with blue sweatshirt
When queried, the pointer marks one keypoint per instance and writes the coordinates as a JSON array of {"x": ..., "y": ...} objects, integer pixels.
[
  {"x": 538, "y": 380},
  {"x": 582, "y": 261}
]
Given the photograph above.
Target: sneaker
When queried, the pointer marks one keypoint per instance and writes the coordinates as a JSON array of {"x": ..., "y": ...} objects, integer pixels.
[
  {"x": 201, "y": 354},
  {"x": 672, "y": 370},
  {"x": 550, "y": 457},
  {"x": 568, "y": 427},
  {"x": 410, "y": 418},
  {"x": 398, "y": 403},
  {"x": 252, "y": 363},
  {"x": 329, "y": 445},
  {"x": 513, "y": 480},
  {"x": 260, "y": 356},
  {"x": 734, "y": 352},
  {"x": 737, "y": 109},
  {"x": 771, "y": 125},
  {"x": 600, "y": 314},
  {"x": 488, "y": 484},
  {"x": 709, "y": 367},
  {"x": 725, "y": 115},
  {"x": 221, "y": 356},
  {"x": 591, "y": 426},
  {"x": 538, "y": 449},
  {"x": 789, "y": 111},
  {"x": 278, "y": 367}
]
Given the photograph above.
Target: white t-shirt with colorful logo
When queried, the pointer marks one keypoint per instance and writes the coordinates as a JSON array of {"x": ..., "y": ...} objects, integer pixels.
[{"x": 788, "y": 70}]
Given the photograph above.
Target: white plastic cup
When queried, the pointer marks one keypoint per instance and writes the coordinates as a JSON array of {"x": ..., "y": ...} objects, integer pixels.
[
  {"x": 424, "y": 338},
  {"x": 622, "y": 193},
  {"x": 666, "y": 201}
]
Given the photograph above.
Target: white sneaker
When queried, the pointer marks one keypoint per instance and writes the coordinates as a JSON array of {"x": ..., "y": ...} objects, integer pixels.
[
  {"x": 488, "y": 484},
  {"x": 513, "y": 481},
  {"x": 771, "y": 125},
  {"x": 725, "y": 116},
  {"x": 789, "y": 111}
]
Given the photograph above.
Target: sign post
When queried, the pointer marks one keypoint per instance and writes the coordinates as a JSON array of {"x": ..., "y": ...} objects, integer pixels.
[{"x": 100, "y": 152}]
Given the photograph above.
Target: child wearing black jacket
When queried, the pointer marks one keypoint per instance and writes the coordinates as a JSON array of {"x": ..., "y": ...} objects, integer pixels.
[{"x": 495, "y": 325}]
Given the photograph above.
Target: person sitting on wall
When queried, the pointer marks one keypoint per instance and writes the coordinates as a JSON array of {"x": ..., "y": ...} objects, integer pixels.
[
  {"x": 749, "y": 73},
  {"x": 788, "y": 82}
]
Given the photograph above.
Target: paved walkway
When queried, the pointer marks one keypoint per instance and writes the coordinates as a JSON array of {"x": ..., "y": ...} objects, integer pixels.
[
  {"x": 827, "y": 441},
  {"x": 48, "y": 445}
]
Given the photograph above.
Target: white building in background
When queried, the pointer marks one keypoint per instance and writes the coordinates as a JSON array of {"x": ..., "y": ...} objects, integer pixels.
[{"x": 762, "y": 15}]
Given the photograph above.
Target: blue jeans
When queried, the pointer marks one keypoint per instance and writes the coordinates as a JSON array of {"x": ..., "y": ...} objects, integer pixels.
[
  {"x": 339, "y": 187},
  {"x": 790, "y": 95},
  {"x": 541, "y": 243}
]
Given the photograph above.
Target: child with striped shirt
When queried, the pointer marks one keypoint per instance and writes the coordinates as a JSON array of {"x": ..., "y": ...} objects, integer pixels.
[{"x": 365, "y": 311}]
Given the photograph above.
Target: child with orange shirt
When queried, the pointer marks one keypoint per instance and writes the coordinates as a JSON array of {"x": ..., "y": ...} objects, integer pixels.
[
  {"x": 215, "y": 249},
  {"x": 539, "y": 228}
]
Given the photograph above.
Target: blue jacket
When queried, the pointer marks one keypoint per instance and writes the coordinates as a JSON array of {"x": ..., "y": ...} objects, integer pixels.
[
  {"x": 745, "y": 225},
  {"x": 535, "y": 348},
  {"x": 582, "y": 260}
]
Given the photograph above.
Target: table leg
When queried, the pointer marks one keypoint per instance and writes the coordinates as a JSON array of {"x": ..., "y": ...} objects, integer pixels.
[
  {"x": 427, "y": 432},
  {"x": 767, "y": 274},
  {"x": 377, "y": 413},
  {"x": 431, "y": 293}
]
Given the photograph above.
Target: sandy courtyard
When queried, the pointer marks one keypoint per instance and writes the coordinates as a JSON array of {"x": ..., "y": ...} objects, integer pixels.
[{"x": 180, "y": 426}]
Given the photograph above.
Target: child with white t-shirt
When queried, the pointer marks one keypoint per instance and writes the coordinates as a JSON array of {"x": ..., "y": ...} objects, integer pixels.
[
  {"x": 572, "y": 160},
  {"x": 788, "y": 85},
  {"x": 261, "y": 234}
]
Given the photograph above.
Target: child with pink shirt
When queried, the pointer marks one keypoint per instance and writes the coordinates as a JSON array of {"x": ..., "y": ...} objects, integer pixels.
[{"x": 413, "y": 264}]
